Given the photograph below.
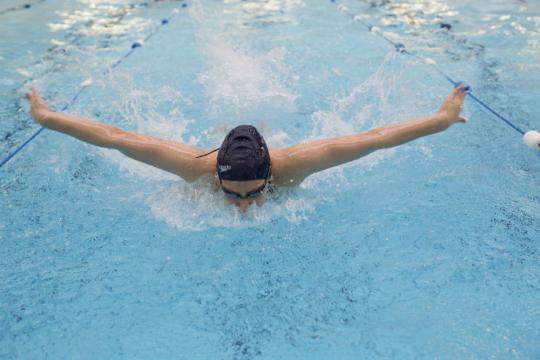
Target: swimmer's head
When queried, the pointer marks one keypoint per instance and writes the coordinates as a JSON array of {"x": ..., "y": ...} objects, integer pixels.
[
  {"x": 243, "y": 156},
  {"x": 243, "y": 165}
]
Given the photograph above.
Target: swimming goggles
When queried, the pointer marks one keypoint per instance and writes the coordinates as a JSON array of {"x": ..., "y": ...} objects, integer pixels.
[{"x": 250, "y": 195}]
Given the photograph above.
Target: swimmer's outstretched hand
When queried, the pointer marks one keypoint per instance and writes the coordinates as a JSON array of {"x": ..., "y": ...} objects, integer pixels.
[
  {"x": 452, "y": 106},
  {"x": 38, "y": 107}
]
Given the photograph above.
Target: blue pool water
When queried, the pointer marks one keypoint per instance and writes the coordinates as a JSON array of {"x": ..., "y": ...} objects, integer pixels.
[{"x": 429, "y": 250}]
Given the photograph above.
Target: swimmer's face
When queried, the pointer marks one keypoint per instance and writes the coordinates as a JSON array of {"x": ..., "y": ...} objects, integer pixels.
[{"x": 243, "y": 188}]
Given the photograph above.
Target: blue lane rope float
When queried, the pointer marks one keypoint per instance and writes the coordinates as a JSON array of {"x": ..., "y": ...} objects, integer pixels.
[
  {"x": 530, "y": 138},
  {"x": 85, "y": 84},
  {"x": 21, "y": 7}
]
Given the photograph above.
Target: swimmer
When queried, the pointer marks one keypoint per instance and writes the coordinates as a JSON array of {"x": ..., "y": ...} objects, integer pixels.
[{"x": 243, "y": 166}]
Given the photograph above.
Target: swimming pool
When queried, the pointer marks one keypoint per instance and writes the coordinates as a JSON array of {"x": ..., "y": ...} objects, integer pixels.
[{"x": 428, "y": 250}]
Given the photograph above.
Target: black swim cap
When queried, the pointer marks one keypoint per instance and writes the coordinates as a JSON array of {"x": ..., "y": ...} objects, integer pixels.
[{"x": 243, "y": 155}]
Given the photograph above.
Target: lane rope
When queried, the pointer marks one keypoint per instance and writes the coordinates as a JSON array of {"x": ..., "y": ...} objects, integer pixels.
[
  {"x": 530, "y": 138},
  {"x": 134, "y": 46},
  {"x": 124, "y": 11},
  {"x": 21, "y": 7}
]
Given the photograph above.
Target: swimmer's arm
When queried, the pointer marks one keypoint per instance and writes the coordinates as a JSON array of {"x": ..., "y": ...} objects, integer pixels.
[
  {"x": 173, "y": 157},
  {"x": 295, "y": 163},
  {"x": 170, "y": 156}
]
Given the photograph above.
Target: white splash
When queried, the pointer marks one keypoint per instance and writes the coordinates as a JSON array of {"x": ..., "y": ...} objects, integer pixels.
[
  {"x": 278, "y": 138},
  {"x": 329, "y": 124},
  {"x": 207, "y": 207},
  {"x": 24, "y": 72},
  {"x": 235, "y": 78}
]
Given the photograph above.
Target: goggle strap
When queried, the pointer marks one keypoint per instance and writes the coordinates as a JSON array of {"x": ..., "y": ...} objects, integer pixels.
[{"x": 208, "y": 153}]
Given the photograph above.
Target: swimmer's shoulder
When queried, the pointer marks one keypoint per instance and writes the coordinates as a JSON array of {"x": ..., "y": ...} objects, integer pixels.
[
  {"x": 283, "y": 173},
  {"x": 207, "y": 165}
]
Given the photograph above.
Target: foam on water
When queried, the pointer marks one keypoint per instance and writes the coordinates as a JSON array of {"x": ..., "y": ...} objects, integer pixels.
[
  {"x": 368, "y": 105},
  {"x": 236, "y": 80},
  {"x": 199, "y": 206}
]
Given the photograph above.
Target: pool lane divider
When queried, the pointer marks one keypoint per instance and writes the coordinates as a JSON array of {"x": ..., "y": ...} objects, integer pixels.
[
  {"x": 117, "y": 20},
  {"x": 531, "y": 138},
  {"x": 134, "y": 46},
  {"x": 21, "y": 7}
]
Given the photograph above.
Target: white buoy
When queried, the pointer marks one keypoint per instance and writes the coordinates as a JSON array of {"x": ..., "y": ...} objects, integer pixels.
[{"x": 532, "y": 139}]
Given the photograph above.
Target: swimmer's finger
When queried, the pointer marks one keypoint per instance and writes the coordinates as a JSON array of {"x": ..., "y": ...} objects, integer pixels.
[
  {"x": 458, "y": 93},
  {"x": 460, "y": 89},
  {"x": 31, "y": 95},
  {"x": 464, "y": 90}
]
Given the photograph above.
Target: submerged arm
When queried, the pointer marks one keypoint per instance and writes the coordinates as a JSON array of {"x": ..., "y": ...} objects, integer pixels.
[
  {"x": 170, "y": 156},
  {"x": 299, "y": 161}
]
